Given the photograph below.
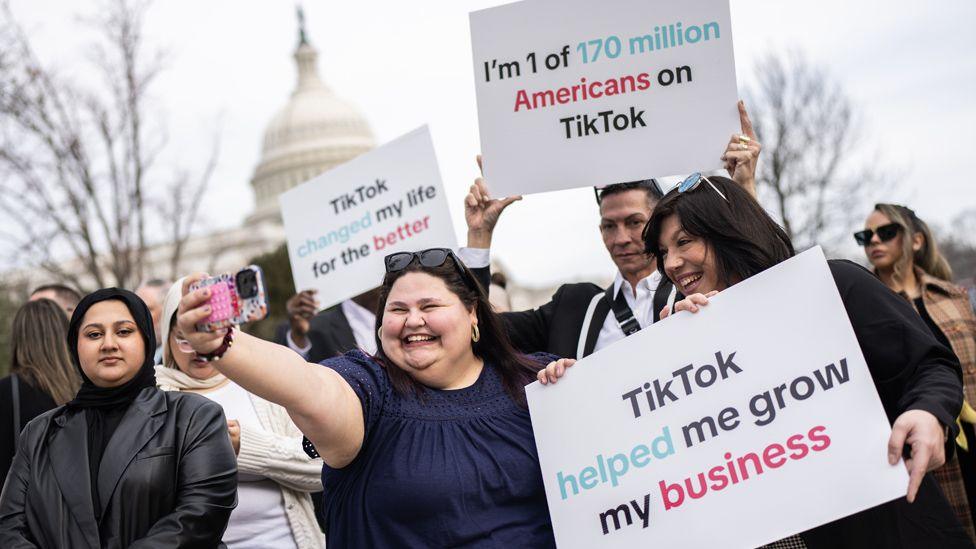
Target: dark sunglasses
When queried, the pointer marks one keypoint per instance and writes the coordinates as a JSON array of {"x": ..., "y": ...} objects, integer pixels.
[
  {"x": 432, "y": 257},
  {"x": 884, "y": 232}
]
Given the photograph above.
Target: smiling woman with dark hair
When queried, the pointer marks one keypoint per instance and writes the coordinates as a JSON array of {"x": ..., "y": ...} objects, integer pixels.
[
  {"x": 708, "y": 235},
  {"x": 122, "y": 464},
  {"x": 427, "y": 444}
]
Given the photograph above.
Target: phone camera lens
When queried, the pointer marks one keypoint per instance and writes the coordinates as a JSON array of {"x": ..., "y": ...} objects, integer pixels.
[{"x": 247, "y": 284}]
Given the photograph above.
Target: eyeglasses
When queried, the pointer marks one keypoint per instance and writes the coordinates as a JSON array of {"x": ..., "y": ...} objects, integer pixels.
[
  {"x": 884, "y": 232},
  {"x": 650, "y": 185},
  {"x": 694, "y": 180},
  {"x": 183, "y": 344},
  {"x": 432, "y": 257}
]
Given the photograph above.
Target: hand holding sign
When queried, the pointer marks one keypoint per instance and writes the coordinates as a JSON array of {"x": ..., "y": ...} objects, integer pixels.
[
  {"x": 742, "y": 153},
  {"x": 481, "y": 212}
]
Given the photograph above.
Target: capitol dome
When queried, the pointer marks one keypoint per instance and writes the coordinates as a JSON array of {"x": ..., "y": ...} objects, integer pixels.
[{"x": 314, "y": 132}]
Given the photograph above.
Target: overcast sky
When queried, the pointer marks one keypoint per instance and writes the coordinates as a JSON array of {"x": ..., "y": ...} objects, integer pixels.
[{"x": 910, "y": 68}]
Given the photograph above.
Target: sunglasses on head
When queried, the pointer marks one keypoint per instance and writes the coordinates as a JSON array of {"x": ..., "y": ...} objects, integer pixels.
[
  {"x": 432, "y": 257},
  {"x": 650, "y": 185},
  {"x": 694, "y": 180},
  {"x": 884, "y": 232}
]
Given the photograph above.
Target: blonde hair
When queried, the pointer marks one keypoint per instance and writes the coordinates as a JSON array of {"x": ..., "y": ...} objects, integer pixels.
[
  {"x": 927, "y": 257},
  {"x": 39, "y": 341}
]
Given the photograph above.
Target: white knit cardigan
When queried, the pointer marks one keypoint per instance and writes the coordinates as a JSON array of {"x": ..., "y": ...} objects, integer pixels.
[{"x": 275, "y": 452}]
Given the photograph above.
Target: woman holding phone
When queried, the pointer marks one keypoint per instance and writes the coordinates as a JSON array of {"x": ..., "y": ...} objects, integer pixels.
[{"x": 428, "y": 442}]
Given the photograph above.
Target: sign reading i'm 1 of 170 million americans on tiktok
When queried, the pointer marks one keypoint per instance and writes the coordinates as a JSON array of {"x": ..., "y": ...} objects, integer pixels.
[{"x": 572, "y": 93}]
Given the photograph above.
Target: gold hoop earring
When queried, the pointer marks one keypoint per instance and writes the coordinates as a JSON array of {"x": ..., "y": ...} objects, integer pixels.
[
  {"x": 379, "y": 332},
  {"x": 475, "y": 333}
]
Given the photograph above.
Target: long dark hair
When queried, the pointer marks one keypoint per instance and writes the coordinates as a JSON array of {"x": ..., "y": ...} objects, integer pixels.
[
  {"x": 494, "y": 346},
  {"x": 744, "y": 239},
  {"x": 39, "y": 354}
]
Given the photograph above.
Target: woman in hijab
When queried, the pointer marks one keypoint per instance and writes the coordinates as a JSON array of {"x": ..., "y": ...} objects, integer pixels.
[{"x": 123, "y": 464}]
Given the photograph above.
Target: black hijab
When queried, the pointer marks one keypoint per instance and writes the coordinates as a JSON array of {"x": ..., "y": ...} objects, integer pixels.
[{"x": 105, "y": 406}]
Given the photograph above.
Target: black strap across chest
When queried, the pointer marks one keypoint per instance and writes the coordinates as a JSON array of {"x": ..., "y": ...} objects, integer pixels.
[{"x": 622, "y": 312}]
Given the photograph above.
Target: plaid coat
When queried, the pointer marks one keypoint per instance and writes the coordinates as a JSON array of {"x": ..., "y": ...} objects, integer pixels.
[{"x": 950, "y": 310}]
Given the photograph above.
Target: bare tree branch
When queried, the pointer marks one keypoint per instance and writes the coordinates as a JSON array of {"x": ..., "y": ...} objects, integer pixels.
[{"x": 79, "y": 162}]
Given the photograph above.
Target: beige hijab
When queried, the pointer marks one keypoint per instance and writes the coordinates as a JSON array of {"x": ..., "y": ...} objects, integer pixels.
[{"x": 168, "y": 376}]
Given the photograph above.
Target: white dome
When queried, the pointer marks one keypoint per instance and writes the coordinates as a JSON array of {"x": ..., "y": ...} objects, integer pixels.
[{"x": 312, "y": 133}]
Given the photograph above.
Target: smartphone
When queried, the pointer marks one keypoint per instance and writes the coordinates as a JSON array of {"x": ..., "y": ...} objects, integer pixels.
[{"x": 235, "y": 298}]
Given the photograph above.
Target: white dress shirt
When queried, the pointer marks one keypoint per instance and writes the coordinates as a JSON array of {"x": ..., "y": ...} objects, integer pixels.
[{"x": 642, "y": 305}]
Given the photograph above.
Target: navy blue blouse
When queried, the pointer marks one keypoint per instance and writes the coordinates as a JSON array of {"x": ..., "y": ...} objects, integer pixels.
[{"x": 456, "y": 468}]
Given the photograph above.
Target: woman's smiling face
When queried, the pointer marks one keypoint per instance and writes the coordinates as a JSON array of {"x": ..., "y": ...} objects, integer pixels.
[
  {"x": 426, "y": 329},
  {"x": 688, "y": 260}
]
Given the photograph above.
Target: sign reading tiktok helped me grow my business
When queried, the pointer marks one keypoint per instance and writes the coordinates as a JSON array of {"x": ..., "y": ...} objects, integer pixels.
[
  {"x": 342, "y": 224},
  {"x": 574, "y": 93},
  {"x": 727, "y": 428}
]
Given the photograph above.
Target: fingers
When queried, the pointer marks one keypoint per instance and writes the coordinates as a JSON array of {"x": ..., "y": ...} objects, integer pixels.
[
  {"x": 745, "y": 122},
  {"x": 554, "y": 370},
  {"x": 480, "y": 164},
  {"x": 665, "y": 312},
  {"x": 507, "y": 201},
  {"x": 899, "y": 432},
  {"x": 691, "y": 303},
  {"x": 917, "y": 467},
  {"x": 191, "y": 280}
]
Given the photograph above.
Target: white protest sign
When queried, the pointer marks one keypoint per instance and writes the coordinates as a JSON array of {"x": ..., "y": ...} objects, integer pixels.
[
  {"x": 342, "y": 223},
  {"x": 745, "y": 423},
  {"x": 572, "y": 93}
]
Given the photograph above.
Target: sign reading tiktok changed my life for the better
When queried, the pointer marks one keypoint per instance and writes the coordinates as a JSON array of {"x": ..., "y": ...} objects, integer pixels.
[
  {"x": 750, "y": 421},
  {"x": 574, "y": 93},
  {"x": 341, "y": 224}
]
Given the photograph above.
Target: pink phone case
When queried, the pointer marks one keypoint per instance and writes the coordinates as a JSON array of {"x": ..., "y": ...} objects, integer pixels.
[{"x": 227, "y": 305}]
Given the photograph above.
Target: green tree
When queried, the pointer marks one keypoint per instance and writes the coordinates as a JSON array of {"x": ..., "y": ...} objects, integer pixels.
[{"x": 279, "y": 286}]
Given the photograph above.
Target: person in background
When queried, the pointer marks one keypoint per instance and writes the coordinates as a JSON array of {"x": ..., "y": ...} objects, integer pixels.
[
  {"x": 122, "y": 464},
  {"x": 498, "y": 293},
  {"x": 152, "y": 292},
  {"x": 708, "y": 234},
  {"x": 906, "y": 258},
  {"x": 65, "y": 297},
  {"x": 321, "y": 335},
  {"x": 275, "y": 476},
  {"x": 426, "y": 443},
  {"x": 41, "y": 374}
]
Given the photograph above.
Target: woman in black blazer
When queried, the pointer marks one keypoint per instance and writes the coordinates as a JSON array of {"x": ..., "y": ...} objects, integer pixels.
[{"x": 123, "y": 464}]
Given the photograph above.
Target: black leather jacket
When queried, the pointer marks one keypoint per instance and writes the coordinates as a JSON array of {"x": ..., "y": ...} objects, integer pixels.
[{"x": 168, "y": 478}]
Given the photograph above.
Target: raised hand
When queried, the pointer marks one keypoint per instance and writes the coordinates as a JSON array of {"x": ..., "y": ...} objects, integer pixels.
[
  {"x": 481, "y": 212},
  {"x": 742, "y": 154},
  {"x": 301, "y": 308}
]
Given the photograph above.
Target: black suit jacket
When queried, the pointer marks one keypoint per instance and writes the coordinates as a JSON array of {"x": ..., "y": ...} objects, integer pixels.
[
  {"x": 328, "y": 332},
  {"x": 33, "y": 402},
  {"x": 168, "y": 478}
]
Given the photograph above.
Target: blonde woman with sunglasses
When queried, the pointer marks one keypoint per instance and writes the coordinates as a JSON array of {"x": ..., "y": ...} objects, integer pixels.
[{"x": 905, "y": 257}]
